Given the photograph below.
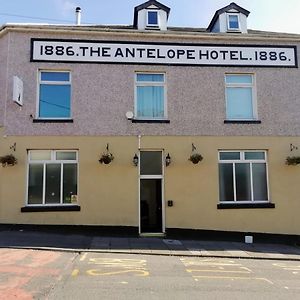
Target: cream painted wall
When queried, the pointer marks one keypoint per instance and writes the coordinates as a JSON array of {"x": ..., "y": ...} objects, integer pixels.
[{"x": 108, "y": 194}]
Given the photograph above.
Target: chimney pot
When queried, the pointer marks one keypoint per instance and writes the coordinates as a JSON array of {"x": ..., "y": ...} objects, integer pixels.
[{"x": 78, "y": 15}]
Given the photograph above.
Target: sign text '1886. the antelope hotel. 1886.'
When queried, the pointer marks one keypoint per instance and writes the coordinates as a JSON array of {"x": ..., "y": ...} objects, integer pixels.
[{"x": 163, "y": 53}]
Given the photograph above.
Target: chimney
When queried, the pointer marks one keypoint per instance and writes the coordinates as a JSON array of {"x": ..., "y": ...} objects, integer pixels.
[{"x": 78, "y": 15}]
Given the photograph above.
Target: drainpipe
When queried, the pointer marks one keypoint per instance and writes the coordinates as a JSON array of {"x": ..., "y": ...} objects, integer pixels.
[{"x": 78, "y": 15}]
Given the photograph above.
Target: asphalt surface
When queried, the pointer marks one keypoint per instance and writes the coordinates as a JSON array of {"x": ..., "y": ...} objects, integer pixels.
[{"x": 78, "y": 242}]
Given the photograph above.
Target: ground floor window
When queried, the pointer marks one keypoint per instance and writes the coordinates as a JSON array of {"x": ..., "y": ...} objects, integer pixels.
[
  {"x": 52, "y": 177},
  {"x": 243, "y": 176}
]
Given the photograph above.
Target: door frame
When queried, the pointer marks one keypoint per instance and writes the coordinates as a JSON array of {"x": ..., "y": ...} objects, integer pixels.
[{"x": 162, "y": 191}]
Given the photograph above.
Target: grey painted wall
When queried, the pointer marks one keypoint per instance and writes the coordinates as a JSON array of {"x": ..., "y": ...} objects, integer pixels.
[{"x": 102, "y": 94}]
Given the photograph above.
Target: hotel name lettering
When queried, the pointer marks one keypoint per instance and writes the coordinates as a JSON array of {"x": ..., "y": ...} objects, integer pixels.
[{"x": 165, "y": 54}]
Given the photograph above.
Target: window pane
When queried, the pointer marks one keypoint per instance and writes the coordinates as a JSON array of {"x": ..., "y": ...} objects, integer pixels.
[
  {"x": 150, "y": 77},
  {"x": 55, "y": 76},
  {"x": 40, "y": 155},
  {"x": 259, "y": 173},
  {"x": 70, "y": 182},
  {"x": 64, "y": 155},
  {"x": 35, "y": 184},
  {"x": 52, "y": 183},
  {"x": 150, "y": 101},
  {"x": 151, "y": 163},
  {"x": 152, "y": 18},
  {"x": 255, "y": 155},
  {"x": 226, "y": 182},
  {"x": 229, "y": 155},
  {"x": 54, "y": 101},
  {"x": 239, "y": 79},
  {"x": 243, "y": 182},
  {"x": 239, "y": 103},
  {"x": 233, "y": 22}
]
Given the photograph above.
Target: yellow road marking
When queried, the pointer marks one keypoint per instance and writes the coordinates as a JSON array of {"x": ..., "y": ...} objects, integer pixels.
[
  {"x": 83, "y": 257},
  {"x": 217, "y": 271},
  {"x": 75, "y": 272},
  {"x": 227, "y": 277},
  {"x": 99, "y": 273}
]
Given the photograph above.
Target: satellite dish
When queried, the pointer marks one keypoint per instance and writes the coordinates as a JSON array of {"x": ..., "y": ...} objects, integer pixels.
[{"x": 129, "y": 115}]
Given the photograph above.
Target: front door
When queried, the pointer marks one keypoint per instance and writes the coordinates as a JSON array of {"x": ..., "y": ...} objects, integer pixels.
[{"x": 151, "y": 192}]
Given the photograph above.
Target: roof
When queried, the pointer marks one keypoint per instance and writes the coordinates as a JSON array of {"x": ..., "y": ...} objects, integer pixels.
[
  {"x": 232, "y": 5},
  {"x": 147, "y": 4}
]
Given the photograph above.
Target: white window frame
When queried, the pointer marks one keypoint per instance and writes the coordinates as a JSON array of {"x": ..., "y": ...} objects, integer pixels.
[
  {"x": 248, "y": 161},
  {"x": 147, "y": 17},
  {"x": 228, "y": 15},
  {"x": 40, "y": 81},
  {"x": 52, "y": 160},
  {"x": 243, "y": 85},
  {"x": 150, "y": 83}
]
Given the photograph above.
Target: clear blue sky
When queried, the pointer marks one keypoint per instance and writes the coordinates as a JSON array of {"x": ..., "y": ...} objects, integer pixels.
[{"x": 270, "y": 15}]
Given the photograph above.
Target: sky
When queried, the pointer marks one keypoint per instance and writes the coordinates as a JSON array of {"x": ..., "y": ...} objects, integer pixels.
[{"x": 268, "y": 15}]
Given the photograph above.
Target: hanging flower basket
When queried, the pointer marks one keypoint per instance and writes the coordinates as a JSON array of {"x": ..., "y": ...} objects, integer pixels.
[
  {"x": 8, "y": 160},
  {"x": 292, "y": 160},
  {"x": 195, "y": 158},
  {"x": 106, "y": 157}
]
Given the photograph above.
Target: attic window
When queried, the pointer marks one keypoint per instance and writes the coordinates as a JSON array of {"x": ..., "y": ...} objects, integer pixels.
[
  {"x": 152, "y": 18},
  {"x": 233, "y": 22}
]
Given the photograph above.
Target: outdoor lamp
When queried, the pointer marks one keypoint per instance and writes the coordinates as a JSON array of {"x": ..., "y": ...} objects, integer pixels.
[
  {"x": 135, "y": 160},
  {"x": 168, "y": 160}
]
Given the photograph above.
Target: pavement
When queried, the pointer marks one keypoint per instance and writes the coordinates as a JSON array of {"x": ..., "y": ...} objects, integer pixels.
[{"x": 81, "y": 242}]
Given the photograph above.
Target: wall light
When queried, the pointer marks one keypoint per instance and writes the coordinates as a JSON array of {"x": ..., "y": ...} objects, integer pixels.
[
  {"x": 135, "y": 160},
  {"x": 168, "y": 160}
]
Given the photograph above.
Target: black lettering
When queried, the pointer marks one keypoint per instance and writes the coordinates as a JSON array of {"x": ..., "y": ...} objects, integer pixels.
[
  {"x": 97, "y": 51},
  {"x": 190, "y": 54},
  {"x": 83, "y": 50},
  {"x": 233, "y": 55},
  {"x": 105, "y": 51},
  {"x": 150, "y": 53},
  {"x": 223, "y": 52},
  {"x": 242, "y": 57},
  {"x": 180, "y": 53},
  {"x": 140, "y": 50},
  {"x": 206, "y": 54},
  {"x": 119, "y": 52},
  {"x": 214, "y": 54},
  {"x": 158, "y": 54},
  {"x": 171, "y": 53},
  {"x": 130, "y": 52}
]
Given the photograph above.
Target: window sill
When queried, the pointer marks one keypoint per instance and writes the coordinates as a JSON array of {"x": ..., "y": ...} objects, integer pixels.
[
  {"x": 52, "y": 120},
  {"x": 50, "y": 208},
  {"x": 242, "y": 121},
  {"x": 149, "y": 121},
  {"x": 245, "y": 205}
]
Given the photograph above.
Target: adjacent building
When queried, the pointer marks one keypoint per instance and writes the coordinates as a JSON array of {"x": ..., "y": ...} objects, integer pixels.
[{"x": 151, "y": 127}]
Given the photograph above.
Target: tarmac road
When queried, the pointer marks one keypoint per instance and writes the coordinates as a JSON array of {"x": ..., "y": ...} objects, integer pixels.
[{"x": 39, "y": 274}]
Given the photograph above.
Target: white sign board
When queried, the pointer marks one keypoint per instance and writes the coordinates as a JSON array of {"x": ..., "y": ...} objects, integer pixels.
[
  {"x": 17, "y": 90},
  {"x": 162, "y": 53}
]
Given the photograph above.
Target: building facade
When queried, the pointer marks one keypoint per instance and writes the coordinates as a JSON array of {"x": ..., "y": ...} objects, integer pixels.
[{"x": 151, "y": 127}]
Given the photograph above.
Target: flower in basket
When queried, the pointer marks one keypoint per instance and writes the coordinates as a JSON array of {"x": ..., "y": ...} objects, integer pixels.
[
  {"x": 106, "y": 157},
  {"x": 8, "y": 160}
]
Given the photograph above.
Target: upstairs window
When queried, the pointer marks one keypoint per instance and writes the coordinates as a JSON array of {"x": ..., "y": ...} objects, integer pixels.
[
  {"x": 54, "y": 95},
  {"x": 233, "y": 22},
  {"x": 243, "y": 176},
  {"x": 150, "y": 96},
  {"x": 240, "y": 97},
  {"x": 152, "y": 18}
]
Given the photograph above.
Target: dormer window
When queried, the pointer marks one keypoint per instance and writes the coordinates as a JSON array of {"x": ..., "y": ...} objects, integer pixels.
[
  {"x": 152, "y": 18},
  {"x": 151, "y": 15},
  {"x": 231, "y": 18},
  {"x": 233, "y": 22}
]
